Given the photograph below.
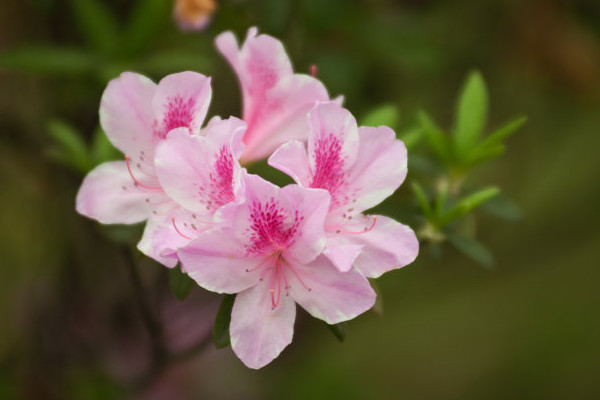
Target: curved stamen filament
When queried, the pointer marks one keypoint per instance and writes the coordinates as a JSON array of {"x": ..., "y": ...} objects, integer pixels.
[
  {"x": 260, "y": 264},
  {"x": 178, "y": 231},
  {"x": 367, "y": 229},
  {"x": 276, "y": 276},
  {"x": 138, "y": 183},
  {"x": 298, "y": 277}
]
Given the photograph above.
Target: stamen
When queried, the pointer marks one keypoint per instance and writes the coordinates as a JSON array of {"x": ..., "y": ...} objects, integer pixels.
[
  {"x": 276, "y": 276},
  {"x": 367, "y": 229},
  {"x": 313, "y": 70},
  {"x": 298, "y": 276},
  {"x": 178, "y": 231},
  {"x": 138, "y": 183},
  {"x": 260, "y": 264}
]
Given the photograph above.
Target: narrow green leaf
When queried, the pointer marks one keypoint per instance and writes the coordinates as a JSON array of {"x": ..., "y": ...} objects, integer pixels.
[
  {"x": 181, "y": 284},
  {"x": 473, "y": 249},
  {"x": 423, "y": 201},
  {"x": 471, "y": 114},
  {"x": 442, "y": 197},
  {"x": 468, "y": 204},
  {"x": 479, "y": 156},
  {"x": 70, "y": 147},
  {"x": 502, "y": 133},
  {"x": 387, "y": 115},
  {"x": 98, "y": 24},
  {"x": 339, "y": 330},
  {"x": 437, "y": 139},
  {"x": 221, "y": 329},
  {"x": 48, "y": 60},
  {"x": 501, "y": 207},
  {"x": 412, "y": 137},
  {"x": 146, "y": 18}
]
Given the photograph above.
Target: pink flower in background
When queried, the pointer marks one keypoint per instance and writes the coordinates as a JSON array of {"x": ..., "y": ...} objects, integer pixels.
[
  {"x": 275, "y": 99},
  {"x": 359, "y": 167},
  {"x": 267, "y": 250},
  {"x": 200, "y": 173}
]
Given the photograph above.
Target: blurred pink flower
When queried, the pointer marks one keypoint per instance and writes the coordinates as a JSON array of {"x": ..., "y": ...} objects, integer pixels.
[
  {"x": 267, "y": 250},
  {"x": 275, "y": 99},
  {"x": 359, "y": 167}
]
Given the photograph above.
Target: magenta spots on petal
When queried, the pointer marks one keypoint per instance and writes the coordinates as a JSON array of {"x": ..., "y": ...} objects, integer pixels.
[
  {"x": 272, "y": 228},
  {"x": 179, "y": 113},
  {"x": 329, "y": 165},
  {"x": 221, "y": 178}
]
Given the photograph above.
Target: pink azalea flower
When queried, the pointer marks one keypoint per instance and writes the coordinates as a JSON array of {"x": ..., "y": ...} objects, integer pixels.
[
  {"x": 275, "y": 99},
  {"x": 141, "y": 118},
  {"x": 359, "y": 167},
  {"x": 200, "y": 174},
  {"x": 267, "y": 250}
]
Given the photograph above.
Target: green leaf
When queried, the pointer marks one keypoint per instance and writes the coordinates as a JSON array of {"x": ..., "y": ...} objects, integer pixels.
[
  {"x": 473, "y": 249},
  {"x": 97, "y": 24},
  {"x": 412, "y": 137},
  {"x": 505, "y": 131},
  {"x": 471, "y": 114},
  {"x": 479, "y": 156},
  {"x": 423, "y": 201},
  {"x": 501, "y": 207},
  {"x": 146, "y": 18},
  {"x": 221, "y": 329},
  {"x": 102, "y": 149},
  {"x": 339, "y": 330},
  {"x": 70, "y": 148},
  {"x": 48, "y": 60},
  {"x": 468, "y": 204},
  {"x": 181, "y": 284},
  {"x": 387, "y": 115},
  {"x": 437, "y": 139},
  {"x": 442, "y": 197}
]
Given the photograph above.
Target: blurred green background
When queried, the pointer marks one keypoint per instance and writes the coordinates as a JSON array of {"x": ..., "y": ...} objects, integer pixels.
[{"x": 450, "y": 330}]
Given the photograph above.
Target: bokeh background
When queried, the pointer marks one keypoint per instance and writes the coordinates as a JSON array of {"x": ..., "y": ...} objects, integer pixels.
[{"x": 71, "y": 324}]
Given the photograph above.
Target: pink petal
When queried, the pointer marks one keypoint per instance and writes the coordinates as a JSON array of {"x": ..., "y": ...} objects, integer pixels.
[
  {"x": 389, "y": 245},
  {"x": 281, "y": 115},
  {"x": 275, "y": 100},
  {"x": 333, "y": 142},
  {"x": 109, "y": 195},
  {"x": 126, "y": 114},
  {"x": 228, "y": 131},
  {"x": 197, "y": 172},
  {"x": 258, "y": 331},
  {"x": 291, "y": 159},
  {"x": 217, "y": 261},
  {"x": 169, "y": 230},
  {"x": 329, "y": 294},
  {"x": 181, "y": 100},
  {"x": 380, "y": 167},
  {"x": 341, "y": 254}
]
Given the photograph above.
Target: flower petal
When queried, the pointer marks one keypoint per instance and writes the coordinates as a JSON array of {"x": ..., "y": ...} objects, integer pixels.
[
  {"x": 181, "y": 100},
  {"x": 341, "y": 254},
  {"x": 228, "y": 131},
  {"x": 197, "y": 172},
  {"x": 380, "y": 167},
  {"x": 108, "y": 194},
  {"x": 275, "y": 100},
  {"x": 126, "y": 114},
  {"x": 329, "y": 294},
  {"x": 216, "y": 260},
  {"x": 292, "y": 160},
  {"x": 389, "y": 245},
  {"x": 280, "y": 116},
  {"x": 258, "y": 331}
]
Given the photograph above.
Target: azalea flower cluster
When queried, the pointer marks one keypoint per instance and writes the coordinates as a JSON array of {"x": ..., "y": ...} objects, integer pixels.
[{"x": 308, "y": 243}]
